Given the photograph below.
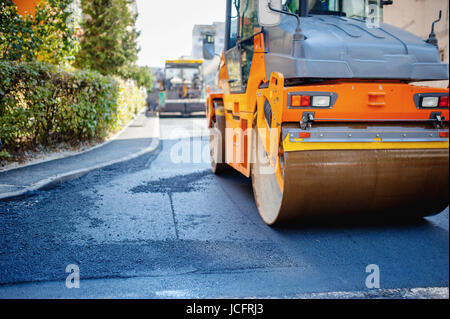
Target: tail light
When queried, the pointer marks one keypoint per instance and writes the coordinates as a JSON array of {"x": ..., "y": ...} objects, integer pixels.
[
  {"x": 310, "y": 100},
  {"x": 443, "y": 101},
  {"x": 301, "y": 100}
]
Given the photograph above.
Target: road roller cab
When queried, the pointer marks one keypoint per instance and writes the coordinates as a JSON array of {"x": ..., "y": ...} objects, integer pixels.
[{"x": 318, "y": 108}]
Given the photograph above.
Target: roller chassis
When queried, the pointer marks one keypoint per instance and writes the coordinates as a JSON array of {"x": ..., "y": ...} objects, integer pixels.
[{"x": 374, "y": 151}]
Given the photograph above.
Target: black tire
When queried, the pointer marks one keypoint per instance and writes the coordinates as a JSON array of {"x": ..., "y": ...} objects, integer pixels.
[{"x": 217, "y": 143}]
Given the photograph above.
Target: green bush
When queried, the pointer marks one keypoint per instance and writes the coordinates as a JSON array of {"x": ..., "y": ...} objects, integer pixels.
[
  {"x": 130, "y": 101},
  {"x": 41, "y": 103},
  {"x": 46, "y": 36},
  {"x": 4, "y": 154}
]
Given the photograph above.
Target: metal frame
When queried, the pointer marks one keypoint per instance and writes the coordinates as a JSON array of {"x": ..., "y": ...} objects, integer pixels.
[
  {"x": 228, "y": 25},
  {"x": 370, "y": 134}
]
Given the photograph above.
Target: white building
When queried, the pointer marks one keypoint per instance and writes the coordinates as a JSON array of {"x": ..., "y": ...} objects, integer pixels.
[
  {"x": 213, "y": 33},
  {"x": 416, "y": 16},
  {"x": 200, "y": 31}
]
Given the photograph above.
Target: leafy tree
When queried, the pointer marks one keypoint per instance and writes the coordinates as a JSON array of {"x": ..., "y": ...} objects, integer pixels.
[
  {"x": 141, "y": 74},
  {"x": 16, "y": 35},
  {"x": 109, "y": 42},
  {"x": 51, "y": 24},
  {"x": 46, "y": 36}
]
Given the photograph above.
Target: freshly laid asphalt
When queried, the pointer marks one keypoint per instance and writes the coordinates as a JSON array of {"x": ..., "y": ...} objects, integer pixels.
[{"x": 163, "y": 226}]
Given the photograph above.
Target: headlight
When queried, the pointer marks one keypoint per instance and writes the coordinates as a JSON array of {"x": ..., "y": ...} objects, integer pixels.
[
  {"x": 430, "y": 101},
  {"x": 321, "y": 101}
]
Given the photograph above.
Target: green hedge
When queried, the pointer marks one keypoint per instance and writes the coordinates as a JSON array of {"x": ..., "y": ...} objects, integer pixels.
[{"x": 41, "y": 103}]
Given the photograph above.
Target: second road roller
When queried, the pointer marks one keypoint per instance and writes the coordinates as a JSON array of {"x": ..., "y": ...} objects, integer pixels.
[{"x": 318, "y": 105}]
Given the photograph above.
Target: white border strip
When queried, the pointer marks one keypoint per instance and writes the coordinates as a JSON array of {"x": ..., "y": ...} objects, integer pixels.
[{"x": 396, "y": 293}]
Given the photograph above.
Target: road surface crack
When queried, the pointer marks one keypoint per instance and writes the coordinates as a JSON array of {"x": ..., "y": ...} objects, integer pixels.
[{"x": 175, "y": 223}]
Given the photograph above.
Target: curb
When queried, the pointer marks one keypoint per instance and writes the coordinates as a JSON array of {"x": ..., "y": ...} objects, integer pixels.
[
  {"x": 61, "y": 178},
  {"x": 114, "y": 137}
]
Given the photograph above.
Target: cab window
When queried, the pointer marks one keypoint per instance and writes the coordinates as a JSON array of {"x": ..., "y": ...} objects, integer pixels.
[
  {"x": 249, "y": 14},
  {"x": 234, "y": 18},
  {"x": 360, "y": 9},
  {"x": 348, "y": 8},
  {"x": 244, "y": 22}
]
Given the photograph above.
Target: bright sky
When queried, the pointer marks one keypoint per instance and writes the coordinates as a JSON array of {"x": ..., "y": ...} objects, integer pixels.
[{"x": 166, "y": 27}]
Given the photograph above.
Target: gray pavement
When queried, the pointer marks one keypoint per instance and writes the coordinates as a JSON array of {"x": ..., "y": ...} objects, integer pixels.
[
  {"x": 141, "y": 136},
  {"x": 163, "y": 226}
]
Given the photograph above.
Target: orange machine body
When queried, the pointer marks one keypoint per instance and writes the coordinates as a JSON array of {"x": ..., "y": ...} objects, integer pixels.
[
  {"x": 26, "y": 6},
  {"x": 357, "y": 101}
]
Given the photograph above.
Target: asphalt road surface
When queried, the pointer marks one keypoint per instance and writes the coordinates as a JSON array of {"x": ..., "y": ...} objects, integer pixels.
[{"x": 163, "y": 226}]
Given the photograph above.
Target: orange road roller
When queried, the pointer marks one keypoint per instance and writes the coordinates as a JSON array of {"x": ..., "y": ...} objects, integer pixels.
[{"x": 318, "y": 105}]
